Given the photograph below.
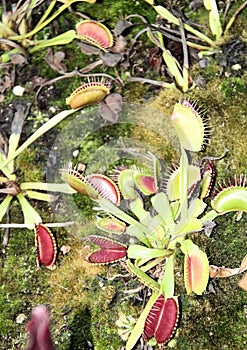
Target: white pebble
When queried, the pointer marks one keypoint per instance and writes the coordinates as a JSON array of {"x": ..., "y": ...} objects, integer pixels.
[{"x": 18, "y": 90}]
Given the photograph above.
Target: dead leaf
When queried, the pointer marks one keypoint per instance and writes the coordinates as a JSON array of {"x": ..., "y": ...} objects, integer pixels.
[
  {"x": 18, "y": 59},
  {"x": 208, "y": 227},
  {"x": 219, "y": 272},
  {"x": 35, "y": 82},
  {"x": 223, "y": 271},
  {"x": 243, "y": 265},
  {"x": 110, "y": 59},
  {"x": 243, "y": 282},
  {"x": 121, "y": 26},
  {"x": 55, "y": 60},
  {"x": 88, "y": 49},
  {"x": 5, "y": 83},
  {"x": 110, "y": 107},
  {"x": 91, "y": 66},
  {"x": 120, "y": 45}
]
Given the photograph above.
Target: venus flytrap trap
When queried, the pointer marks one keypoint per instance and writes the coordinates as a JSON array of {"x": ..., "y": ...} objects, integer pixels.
[
  {"x": 15, "y": 30},
  {"x": 163, "y": 210}
]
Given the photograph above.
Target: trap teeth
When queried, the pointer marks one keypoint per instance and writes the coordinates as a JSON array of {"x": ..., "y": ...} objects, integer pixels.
[{"x": 88, "y": 94}]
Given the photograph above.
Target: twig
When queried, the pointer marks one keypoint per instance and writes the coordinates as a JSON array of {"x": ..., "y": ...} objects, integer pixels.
[
  {"x": 13, "y": 44},
  {"x": 185, "y": 54},
  {"x": 132, "y": 291},
  {"x": 138, "y": 16},
  {"x": 232, "y": 19},
  {"x": 150, "y": 81}
]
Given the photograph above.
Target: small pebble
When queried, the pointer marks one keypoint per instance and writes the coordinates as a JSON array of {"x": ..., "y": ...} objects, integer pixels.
[
  {"x": 203, "y": 63},
  {"x": 236, "y": 66},
  {"x": 18, "y": 90},
  {"x": 21, "y": 318}
]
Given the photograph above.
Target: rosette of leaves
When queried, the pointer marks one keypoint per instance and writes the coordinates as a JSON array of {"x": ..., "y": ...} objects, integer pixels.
[
  {"x": 162, "y": 212},
  {"x": 11, "y": 186}
]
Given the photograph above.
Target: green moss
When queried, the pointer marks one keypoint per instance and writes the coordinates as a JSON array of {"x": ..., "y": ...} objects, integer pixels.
[
  {"x": 28, "y": 165},
  {"x": 112, "y": 11},
  {"x": 21, "y": 285},
  {"x": 233, "y": 85}
]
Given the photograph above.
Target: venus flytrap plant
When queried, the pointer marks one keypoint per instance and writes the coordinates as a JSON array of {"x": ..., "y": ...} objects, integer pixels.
[
  {"x": 161, "y": 219},
  {"x": 14, "y": 26},
  {"x": 23, "y": 191},
  {"x": 30, "y": 189},
  {"x": 88, "y": 94},
  {"x": 215, "y": 25}
]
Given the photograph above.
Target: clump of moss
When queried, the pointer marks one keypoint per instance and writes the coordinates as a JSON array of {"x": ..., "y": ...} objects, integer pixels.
[
  {"x": 83, "y": 303},
  {"x": 233, "y": 85},
  {"x": 111, "y": 12},
  {"x": 22, "y": 286},
  {"x": 27, "y": 164}
]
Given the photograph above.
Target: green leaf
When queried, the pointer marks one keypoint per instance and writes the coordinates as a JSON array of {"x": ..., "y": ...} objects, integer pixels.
[
  {"x": 5, "y": 169},
  {"x": 196, "y": 208},
  {"x": 159, "y": 232},
  {"x": 61, "y": 39},
  {"x": 135, "y": 231},
  {"x": 136, "y": 251},
  {"x": 161, "y": 204},
  {"x": 162, "y": 11},
  {"x": 171, "y": 62},
  {"x": 112, "y": 209},
  {"x": 110, "y": 224},
  {"x": 40, "y": 196},
  {"x": 138, "y": 329},
  {"x": 150, "y": 2},
  {"x": 183, "y": 183},
  {"x": 209, "y": 216},
  {"x": 232, "y": 198},
  {"x": 5, "y": 30},
  {"x": 187, "y": 226},
  {"x": 173, "y": 182},
  {"x": 51, "y": 187},
  {"x": 136, "y": 207},
  {"x": 143, "y": 277},
  {"x": 214, "y": 18},
  {"x": 30, "y": 214},
  {"x": 167, "y": 283},
  {"x": 126, "y": 184},
  {"x": 4, "y": 206}
]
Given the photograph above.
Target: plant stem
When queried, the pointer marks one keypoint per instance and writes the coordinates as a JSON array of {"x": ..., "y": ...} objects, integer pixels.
[{"x": 47, "y": 12}]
